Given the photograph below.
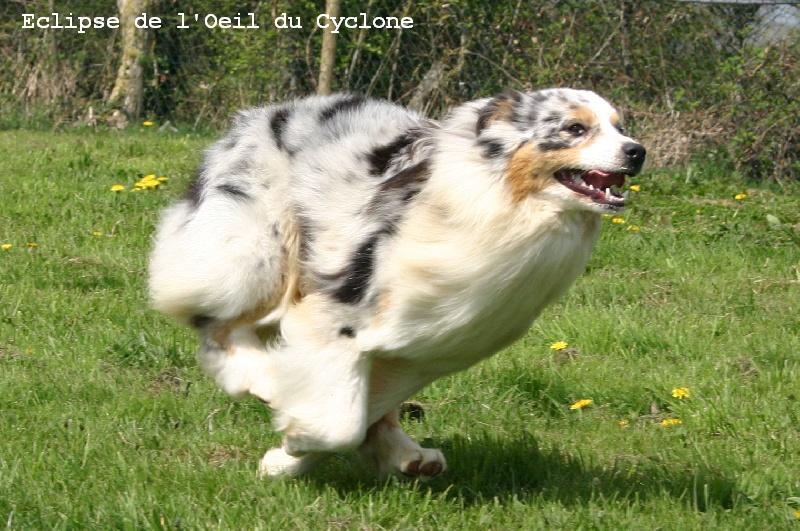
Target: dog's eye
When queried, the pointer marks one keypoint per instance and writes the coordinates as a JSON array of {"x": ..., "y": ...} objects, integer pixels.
[
  {"x": 576, "y": 129},
  {"x": 620, "y": 129}
]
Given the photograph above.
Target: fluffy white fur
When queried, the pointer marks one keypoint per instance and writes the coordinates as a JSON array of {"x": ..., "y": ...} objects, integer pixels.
[{"x": 338, "y": 254}]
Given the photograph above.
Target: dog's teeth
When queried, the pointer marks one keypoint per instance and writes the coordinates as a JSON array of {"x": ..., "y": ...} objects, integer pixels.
[{"x": 608, "y": 194}]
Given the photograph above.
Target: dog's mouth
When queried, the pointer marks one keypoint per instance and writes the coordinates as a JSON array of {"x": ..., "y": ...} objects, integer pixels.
[{"x": 603, "y": 188}]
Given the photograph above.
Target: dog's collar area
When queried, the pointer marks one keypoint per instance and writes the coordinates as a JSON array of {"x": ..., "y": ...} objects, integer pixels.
[{"x": 603, "y": 188}]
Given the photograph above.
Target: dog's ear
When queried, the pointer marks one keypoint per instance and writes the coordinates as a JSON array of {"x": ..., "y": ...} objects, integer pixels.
[{"x": 502, "y": 107}]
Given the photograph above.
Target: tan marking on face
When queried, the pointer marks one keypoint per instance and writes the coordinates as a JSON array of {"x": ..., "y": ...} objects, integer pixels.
[
  {"x": 584, "y": 115},
  {"x": 525, "y": 175},
  {"x": 615, "y": 118},
  {"x": 530, "y": 170}
]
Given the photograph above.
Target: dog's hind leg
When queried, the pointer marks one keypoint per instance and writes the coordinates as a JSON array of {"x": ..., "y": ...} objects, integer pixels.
[
  {"x": 319, "y": 386},
  {"x": 236, "y": 358},
  {"x": 394, "y": 452},
  {"x": 320, "y": 403}
]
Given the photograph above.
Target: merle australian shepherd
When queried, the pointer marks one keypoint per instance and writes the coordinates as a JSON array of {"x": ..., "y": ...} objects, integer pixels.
[{"x": 336, "y": 254}]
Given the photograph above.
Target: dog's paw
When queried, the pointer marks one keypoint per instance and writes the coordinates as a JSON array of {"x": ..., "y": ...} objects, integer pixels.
[
  {"x": 277, "y": 463},
  {"x": 424, "y": 464}
]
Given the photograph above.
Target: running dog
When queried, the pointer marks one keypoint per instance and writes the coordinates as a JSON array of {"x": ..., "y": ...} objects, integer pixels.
[{"x": 337, "y": 254}]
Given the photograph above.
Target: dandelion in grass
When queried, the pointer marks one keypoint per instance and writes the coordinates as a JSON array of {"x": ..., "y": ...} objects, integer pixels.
[
  {"x": 740, "y": 196},
  {"x": 6, "y": 246},
  {"x": 148, "y": 182},
  {"x": 634, "y": 228},
  {"x": 623, "y": 423},
  {"x": 118, "y": 188},
  {"x": 581, "y": 404},
  {"x": 797, "y": 514},
  {"x": 33, "y": 245},
  {"x": 616, "y": 220},
  {"x": 148, "y": 123},
  {"x": 559, "y": 345},
  {"x": 97, "y": 233},
  {"x": 635, "y": 188},
  {"x": 680, "y": 393},
  {"x": 668, "y": 423}
]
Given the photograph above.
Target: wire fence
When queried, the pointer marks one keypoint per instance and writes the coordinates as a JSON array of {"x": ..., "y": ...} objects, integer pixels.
[{"x": 686, "y": 70}]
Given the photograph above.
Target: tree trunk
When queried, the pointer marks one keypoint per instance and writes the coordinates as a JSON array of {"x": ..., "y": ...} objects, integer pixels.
[
  {"x": 128, "y": 90},
  {"x": 328, "y": 55}
]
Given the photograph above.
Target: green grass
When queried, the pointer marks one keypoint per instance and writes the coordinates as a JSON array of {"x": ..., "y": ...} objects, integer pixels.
[{"x": 105, "y": 420}]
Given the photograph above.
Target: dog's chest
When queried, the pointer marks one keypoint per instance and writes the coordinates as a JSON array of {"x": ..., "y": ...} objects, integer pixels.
[{"x": 475, "y": 304}]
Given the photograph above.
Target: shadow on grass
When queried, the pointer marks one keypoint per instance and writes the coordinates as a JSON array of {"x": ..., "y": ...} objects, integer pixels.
[{"x": 487, "y": 468}]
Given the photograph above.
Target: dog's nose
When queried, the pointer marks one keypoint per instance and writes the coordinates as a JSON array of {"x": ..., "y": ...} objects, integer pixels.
[
  {"x": 634, "y": 155},
  {"x": 634, "y": 152}
]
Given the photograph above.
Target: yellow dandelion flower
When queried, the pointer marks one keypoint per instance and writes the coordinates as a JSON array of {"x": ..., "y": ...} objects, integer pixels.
[
  {"x": 680, "y": 393},
  {"x": 606, "y": 216},
  {"x": 6, "y": 246},
  {"x": 797, "y": 514},
  {"x": 580, "y": 404},
  {"x": 740, "y": 197},
  {"x": 147, "y": 182},
  {"x": 667, "y": 423},
  {"x": 117, "y": 188},
  {"x": 616, "y": 220},
  {"x": 635, "y": 188},
  {"x": 32, "y": 245},
  {"x": 634, "y": 228},
  {"x": 559, "y": 345},
  {"x": 623, "y": 423},
  {"x": 148, "y": 123}
]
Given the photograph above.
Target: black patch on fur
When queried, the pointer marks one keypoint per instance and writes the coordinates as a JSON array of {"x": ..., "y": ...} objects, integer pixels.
[
  {"x": 278, "y": 126},
  {"x": 540, "y": 97},
  {"x": 484, "y": 115},
  {"x": 233, "y": 190},
  {"x": 380, "y": 157},
  {"x": 347, "y": 331},
  {"x": 409, "y": 177},
  {"x": 306, "y": 232},
  {"x": 551, "y": 118},
  {"x": 275, "y": 230},
  {"x": 194, "y": 193},
  {"x": 360, "y": 269},
  {"x": 552, "y": 145},
  {"x": 345, "y": 104},
  {"x": 200, "y": 321},
  {"x": 491, "y": 148}
]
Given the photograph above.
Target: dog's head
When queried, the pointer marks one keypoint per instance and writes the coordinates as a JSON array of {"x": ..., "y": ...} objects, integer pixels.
[{"x": 569, "y": 144}]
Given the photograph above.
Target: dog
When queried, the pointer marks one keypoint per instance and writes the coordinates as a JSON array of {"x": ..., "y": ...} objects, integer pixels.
[{"x": 336, "y": 254}]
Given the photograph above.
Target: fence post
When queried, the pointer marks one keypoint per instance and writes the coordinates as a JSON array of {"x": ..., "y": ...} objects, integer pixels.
[{"x": 328, "y": 55}]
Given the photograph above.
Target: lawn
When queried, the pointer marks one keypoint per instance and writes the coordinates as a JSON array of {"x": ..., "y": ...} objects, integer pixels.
[{"x": 106, "y": 421}]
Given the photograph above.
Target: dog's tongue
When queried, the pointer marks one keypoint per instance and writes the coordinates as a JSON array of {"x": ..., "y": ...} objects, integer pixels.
[{"x": 602, "y": 180}]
